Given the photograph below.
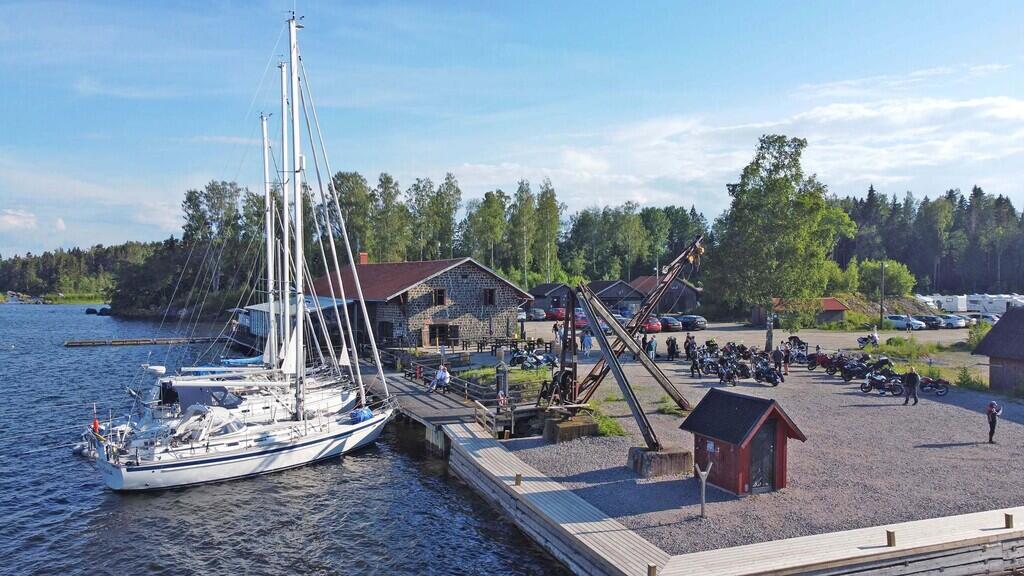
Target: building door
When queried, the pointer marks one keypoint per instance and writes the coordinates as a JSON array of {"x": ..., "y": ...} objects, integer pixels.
[
  {"x": 762, "y": 459},
  {"x": 438, "y": 334}
]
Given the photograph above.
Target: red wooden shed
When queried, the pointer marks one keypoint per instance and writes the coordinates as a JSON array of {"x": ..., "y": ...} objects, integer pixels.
[{"x": 745, "y": 437}]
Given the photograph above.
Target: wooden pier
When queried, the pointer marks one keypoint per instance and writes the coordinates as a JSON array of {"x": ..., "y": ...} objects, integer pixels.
[{"x": 145, "y": 341}]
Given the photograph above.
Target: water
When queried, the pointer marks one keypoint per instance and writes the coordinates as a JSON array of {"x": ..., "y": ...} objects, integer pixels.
[{"x": 388, "y": 509}]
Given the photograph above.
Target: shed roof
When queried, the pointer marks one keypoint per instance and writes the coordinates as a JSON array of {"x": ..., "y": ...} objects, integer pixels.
[
  {"x": 1006, "y": 338},
  {"x": 542, "y": 290},
  {"x": 601, "y": 286},
  {"x": 386, "y": 280},
  {"x": 733, "y": 418}
]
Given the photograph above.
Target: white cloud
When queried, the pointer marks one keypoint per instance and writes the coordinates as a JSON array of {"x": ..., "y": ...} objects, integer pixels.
[
  {"x": 60, "y": 225},
  {"x": 15, "y": 220},
  {"x": 92, "y": 87},
  {"x": 888, "y": 85}
]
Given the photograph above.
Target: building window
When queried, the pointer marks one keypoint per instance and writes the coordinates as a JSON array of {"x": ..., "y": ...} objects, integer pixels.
[
  {"x": 490, "y": 296},
  {"x": 439, "y": 297}
]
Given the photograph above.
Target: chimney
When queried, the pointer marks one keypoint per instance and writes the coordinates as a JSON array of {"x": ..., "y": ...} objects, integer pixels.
[{"x": 364, "y": 258}]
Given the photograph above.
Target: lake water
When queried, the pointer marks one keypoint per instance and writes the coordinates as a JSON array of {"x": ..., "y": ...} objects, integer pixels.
[{"x": 389, "y": 509}]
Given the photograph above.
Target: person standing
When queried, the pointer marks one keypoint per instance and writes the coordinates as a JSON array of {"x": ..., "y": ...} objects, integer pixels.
[
  {"x": 652, "y": 348},
  {"x": 777, "y": 359},
  {"x": 787, "y": 355},
  {"x": 695, "y": 371},
  {"x": 993, "y": 412},
  {"x": 911, "y": 380},
  {"x": 555, "y": 330},
  {"x": 587, "y": 344}
]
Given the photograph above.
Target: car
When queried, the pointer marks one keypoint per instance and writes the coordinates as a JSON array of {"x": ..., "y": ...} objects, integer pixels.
[
  {"x": 952, "y": 321},
  {"x": 580, "y": 321},
  {"x": 968, "y": 320},
  {"x": 651, "y": 325},
  {"x": 521, "y": 316},
  {"x": 900, "y": 322},
  {"x": 555, "y": 314},
  {"x": 693, "y": 322},
  {"x": 537, "y": 314},
  {"x": 930, "y": 322},
  {"x": 670, "y": 324},
  {"x": 988, "y": 318}
]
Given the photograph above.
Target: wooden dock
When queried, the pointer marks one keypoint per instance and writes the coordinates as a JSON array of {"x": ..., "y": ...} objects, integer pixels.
[
  {"x": 429, "y": 409},
  {"x": 144, "y": 341}
]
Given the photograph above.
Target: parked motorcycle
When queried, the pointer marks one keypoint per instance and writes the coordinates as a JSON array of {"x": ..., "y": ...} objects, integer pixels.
[
  {"x": 863, "y": 341},
  {"x": 882, "y": 382},
  {"x": 764, "y": 371},
  {"x": 937, "y": 385},
  {"x": 857, "y": 369}
]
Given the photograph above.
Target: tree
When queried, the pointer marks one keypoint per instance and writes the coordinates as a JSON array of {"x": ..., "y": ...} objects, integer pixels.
[
  {"x": 521, "y": 229},
  {"x": 776, "y": 236},
  {"x": 390, "y": 221},
  {"x": 355, "y": 201},
  {"x": 548, "y": 224},
  {"x": 899, "y": 281}
]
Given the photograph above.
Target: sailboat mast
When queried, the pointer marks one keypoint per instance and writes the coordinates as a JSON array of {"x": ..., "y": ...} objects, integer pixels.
[
  {"x": 300, "y": 300},
  {"x": 286, "y": 293},
  {"x": 270, "y": 353}
]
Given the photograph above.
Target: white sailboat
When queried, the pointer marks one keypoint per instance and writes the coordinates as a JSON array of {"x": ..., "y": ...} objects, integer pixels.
[{"x": 210, "y": 443}]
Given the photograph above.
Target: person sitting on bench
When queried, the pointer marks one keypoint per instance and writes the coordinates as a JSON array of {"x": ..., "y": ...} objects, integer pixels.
[{"x": 441, "y": 379}]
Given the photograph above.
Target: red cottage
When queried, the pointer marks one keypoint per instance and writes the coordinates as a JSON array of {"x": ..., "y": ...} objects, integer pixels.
[{"x": 745, "y": 437}]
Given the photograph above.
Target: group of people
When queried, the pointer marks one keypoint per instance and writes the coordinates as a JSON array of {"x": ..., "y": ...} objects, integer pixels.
[{"x": 781, "y": 357}]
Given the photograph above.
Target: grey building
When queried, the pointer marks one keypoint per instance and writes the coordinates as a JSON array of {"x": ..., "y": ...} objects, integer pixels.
[
  {"x": 681, "y": 296},
  {"x": 1004, "y": 346},
  {"x": 433, "y": 302},
  {"x": 551, "y": 295},
  {"x": 617, "y": 295}
]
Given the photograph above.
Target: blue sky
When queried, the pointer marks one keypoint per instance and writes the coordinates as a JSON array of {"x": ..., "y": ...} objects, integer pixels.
[{"x": 110, "y": 111}]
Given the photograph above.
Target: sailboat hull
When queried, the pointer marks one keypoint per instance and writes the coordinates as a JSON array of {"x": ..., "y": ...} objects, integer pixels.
[{"x": 221, "y": 467}]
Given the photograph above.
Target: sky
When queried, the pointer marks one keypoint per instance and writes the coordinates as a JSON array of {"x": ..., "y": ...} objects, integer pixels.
[{"x": 110, "y": 111}]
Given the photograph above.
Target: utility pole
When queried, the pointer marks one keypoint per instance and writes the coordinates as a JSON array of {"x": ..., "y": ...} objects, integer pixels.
[{"x": 881, "y": 297}]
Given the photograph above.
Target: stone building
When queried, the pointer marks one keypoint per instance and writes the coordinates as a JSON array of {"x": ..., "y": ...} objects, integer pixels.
[
  {"x": 1004, "y": 346},
  {"x": 433, "y": 302}
]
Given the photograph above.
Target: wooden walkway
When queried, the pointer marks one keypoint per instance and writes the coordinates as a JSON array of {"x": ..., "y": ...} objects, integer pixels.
[
  {"x": 429, "y": 409},
  {"x": 965, "y": 544},
  {"x": 576, "y": 532}
]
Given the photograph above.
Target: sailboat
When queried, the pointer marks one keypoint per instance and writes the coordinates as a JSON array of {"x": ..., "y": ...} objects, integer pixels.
[{"x": 210, "y": 443}]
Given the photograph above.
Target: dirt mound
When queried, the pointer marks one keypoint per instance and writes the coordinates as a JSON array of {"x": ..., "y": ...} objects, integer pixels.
[{"x": 893, "y": 305}]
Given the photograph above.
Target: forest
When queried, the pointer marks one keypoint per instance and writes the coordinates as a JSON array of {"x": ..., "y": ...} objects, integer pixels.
[{"x": 783, "y": 235}]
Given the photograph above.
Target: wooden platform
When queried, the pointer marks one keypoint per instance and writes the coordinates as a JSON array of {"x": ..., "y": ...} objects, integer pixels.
[
  {"x": 429, "y": 409},
  {"x": 574, "y": 531}
]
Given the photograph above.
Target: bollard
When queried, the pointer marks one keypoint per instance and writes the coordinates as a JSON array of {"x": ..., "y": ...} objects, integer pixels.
[
  {"x": 652, "y": 570},
  {"x": 703, "y": 474},
  {"x": 1008, "y": 520},
  {"x": 890, "y": 538},
  {"x": 519, "y": 479}
]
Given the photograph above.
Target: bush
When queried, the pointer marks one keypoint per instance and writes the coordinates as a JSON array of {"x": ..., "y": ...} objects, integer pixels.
[
  {"x": 666, "y": 405},
  {"x": 606, "y": 425},
  {"x": 977, "y": 334},
  {"x": 906, "y": 348},
  {"x": 964, "y": 379}
]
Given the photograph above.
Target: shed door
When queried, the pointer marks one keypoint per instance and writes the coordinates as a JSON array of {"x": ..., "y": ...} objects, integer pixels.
[{"x": 762, "y": 459}]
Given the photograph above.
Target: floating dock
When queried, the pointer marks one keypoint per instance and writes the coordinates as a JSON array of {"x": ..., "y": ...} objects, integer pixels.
[
  {"x": 589, "y": 542},
  {"x": 145, "y": 341}
]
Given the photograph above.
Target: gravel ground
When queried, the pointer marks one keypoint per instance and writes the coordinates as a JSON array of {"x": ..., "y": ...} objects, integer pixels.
[{"x": 868, "y": 460}]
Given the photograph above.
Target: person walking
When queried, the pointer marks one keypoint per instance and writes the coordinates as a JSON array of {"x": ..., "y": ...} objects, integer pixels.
[
  {"x": 643, "y": 342},
  {"x": 787, "y": 355},
  {"x": 652, "y": 348},
  {"x": 695, "y": 371},
  {"x": 556, "y": 330},
  {"x": 673, "y": 348},
  {"x": 911, "y": 380},
  {"x": 777, "y": 359},
  {"x": 688, "y": 345},
  {"x": 586, "y": 343},
  {"x": 994, "y": 411}
]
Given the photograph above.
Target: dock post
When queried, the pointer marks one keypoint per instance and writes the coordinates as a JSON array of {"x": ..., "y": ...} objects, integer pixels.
[
  {"x": 652, "y": 570},
  {"x": 703, "y": 474},
  {"x": 1008, "y": 520},
  {"x": 519, "y": 480},
  {"x": 890, "y": 538}
]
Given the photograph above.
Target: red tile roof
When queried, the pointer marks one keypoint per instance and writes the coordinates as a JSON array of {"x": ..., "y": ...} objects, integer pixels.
[
  {"x": 828, "y": 304},
  {"x": 383, "y": 281}
]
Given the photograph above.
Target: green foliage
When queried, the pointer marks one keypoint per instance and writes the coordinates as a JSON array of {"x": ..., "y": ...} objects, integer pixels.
[
  {"x": 799, "y": 313},
  {"x": 854, "y": 321},
  {"x": 668, "y": 406},
  {"x": 606, "y": 425},
  {"x": 977, "y": 334},
  {"x": 906, "y": 348},
  {"x": 898, "y": 279},
  {"x": 965, "y": 379},
  {"x": 776, "y": 237},
  {"x": 614, "y": 397}
]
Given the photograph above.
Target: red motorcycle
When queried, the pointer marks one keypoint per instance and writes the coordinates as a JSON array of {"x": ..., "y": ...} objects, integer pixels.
[
  {"x": 937, "y": 385},
  {"x": 832, "y": 363}
]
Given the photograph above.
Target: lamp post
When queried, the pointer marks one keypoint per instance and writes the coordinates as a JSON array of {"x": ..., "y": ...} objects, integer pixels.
[{"x": 881, "y": 297}]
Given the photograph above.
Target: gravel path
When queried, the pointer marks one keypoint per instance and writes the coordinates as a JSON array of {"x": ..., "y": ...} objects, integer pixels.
[{"x": 868, "y": 460}]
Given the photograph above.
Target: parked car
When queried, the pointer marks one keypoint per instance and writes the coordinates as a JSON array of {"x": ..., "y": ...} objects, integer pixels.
[
  {"x": 952, "y": 321},
  {"x": 692, "y": 322},
  {"x": 968, "y": 320},
  {"x": 581, "y": 321},
  {"x": 604, "y": 327},
  {"x": 980, "y": 318},
  {"x": 556, "y": 314},
  {"x": 930, "y": 322},
  {"x": 670, "y": 324},
  {"x": 651, "y": 325},
  {"x": 521, "y": 315},
  {"x": 537, "y": 314},
  {"x": 900, "y": 322},
  {"x": 620, "y": 318}
]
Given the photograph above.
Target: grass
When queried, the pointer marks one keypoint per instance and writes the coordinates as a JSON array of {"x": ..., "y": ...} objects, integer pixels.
[
  {"x": 668, "y": 406},
  {"x": 88, "y": 298},
  {"x": 906, "y": 348},
  {"x": 606, "y": 425},
  {"x": 486, "y": 375},
  {"x": 613, "y": 398}
]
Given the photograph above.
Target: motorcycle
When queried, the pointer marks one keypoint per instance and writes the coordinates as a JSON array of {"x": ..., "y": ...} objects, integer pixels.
[
  {"x": 765, "y": 372},
  {"x": 864, "y": 341},
  {"x": 883, "y": 383},
  {"x": 937, "y": 385},
  {"x": 856, "y": 369}
]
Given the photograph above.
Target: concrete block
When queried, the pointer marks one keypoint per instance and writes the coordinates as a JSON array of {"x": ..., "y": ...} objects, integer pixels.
[
  {"x": 557, "y": 430},
  {"x": 670, "y": 461}
]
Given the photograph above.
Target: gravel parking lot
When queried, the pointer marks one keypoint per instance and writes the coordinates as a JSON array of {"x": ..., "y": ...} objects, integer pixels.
[{"x": 868, "y": 459}]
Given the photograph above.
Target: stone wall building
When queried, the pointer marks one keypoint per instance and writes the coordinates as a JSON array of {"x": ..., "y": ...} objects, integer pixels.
[{"x": 434, "y": 302}]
